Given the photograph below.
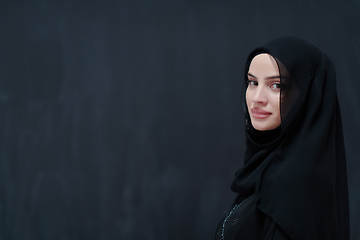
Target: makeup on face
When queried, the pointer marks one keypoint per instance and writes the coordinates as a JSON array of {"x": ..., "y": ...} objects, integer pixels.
[{"x": 263, "y": 93}]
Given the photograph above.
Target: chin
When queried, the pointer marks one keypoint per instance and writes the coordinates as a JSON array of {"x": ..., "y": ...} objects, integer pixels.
[{"x": 263, "y": 126}]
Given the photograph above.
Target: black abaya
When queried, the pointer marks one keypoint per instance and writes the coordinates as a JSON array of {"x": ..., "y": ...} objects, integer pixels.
[{"x": 246, "y": 221}]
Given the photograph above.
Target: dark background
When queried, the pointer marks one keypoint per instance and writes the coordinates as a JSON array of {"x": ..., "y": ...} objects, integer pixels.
[{"x": 122, "y": 119}]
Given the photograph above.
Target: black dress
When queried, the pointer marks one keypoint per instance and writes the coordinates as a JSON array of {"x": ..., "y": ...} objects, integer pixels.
[{"x": 245, "y": 221}]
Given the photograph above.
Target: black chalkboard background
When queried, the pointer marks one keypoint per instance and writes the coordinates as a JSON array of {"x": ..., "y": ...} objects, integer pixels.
[{"x": 122, "y": 119}]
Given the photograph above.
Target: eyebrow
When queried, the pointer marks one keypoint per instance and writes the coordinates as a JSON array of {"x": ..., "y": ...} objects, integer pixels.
[{"x": 270, "y": 77}]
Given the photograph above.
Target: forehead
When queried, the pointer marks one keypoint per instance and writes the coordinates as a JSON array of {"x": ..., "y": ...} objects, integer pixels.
[{"x": 263, "y": 65}]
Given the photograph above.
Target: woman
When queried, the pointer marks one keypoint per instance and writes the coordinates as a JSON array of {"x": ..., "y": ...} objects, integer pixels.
[{"x": 293, "y": 184}]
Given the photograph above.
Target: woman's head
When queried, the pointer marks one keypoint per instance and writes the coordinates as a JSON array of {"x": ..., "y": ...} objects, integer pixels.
[
  {"x": 287, "y": 62},
  {"x": 263, "y": 93}
]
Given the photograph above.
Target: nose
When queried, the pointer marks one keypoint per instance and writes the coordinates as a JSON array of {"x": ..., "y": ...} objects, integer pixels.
[{"x": 260, "y": 96}]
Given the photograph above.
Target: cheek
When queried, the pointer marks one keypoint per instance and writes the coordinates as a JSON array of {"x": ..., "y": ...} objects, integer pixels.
[{"x": 275, "y": 99}]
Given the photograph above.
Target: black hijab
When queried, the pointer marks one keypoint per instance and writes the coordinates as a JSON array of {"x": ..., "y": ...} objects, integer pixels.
[{"x": 298, "y": 171}]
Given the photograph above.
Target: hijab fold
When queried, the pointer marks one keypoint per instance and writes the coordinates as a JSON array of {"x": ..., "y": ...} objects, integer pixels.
[{"x": 298, "y": 171}]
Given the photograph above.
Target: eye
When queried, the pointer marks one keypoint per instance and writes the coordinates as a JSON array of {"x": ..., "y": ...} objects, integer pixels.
[
  {"x": 275, "y": 86},
  {"x": 252, "y": 83}
]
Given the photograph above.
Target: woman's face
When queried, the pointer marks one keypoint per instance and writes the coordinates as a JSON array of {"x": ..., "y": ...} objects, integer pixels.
[{"x": 263, "y": 93}]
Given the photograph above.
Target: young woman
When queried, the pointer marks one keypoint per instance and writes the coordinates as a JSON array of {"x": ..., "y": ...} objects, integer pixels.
[{"x": 293, "y": 184}]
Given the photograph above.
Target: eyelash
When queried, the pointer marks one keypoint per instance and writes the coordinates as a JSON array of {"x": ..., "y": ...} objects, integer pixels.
[
  {"x": 251, "y": 82},
  {"x": 278, "y": 85}
]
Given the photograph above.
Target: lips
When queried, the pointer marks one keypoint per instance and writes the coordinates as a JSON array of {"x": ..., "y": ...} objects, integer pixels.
[{"x": 258, "y": 113}]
